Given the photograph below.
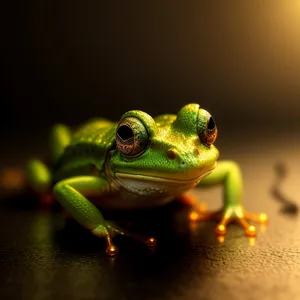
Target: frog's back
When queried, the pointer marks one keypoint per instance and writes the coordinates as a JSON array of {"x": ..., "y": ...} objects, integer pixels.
[
  {"x": 95, "y": 131},
  {"x": 88, "y": 147}
]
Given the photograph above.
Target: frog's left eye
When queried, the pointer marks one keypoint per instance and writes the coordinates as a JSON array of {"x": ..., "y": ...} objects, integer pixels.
[
  {"x": 208, "y": 133},
  {"x": 131, "y": 137}
]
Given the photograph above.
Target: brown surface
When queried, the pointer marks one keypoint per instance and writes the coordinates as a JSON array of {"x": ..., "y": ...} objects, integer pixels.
[{"x": 39, "y": 262}]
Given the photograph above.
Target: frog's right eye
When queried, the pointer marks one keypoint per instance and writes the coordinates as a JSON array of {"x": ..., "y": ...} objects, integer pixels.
[
  {"x": 207, "y": 128},
  {"x": 131, "y": 137}
]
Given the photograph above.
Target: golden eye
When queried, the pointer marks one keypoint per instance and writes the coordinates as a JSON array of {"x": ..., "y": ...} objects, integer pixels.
[
  {"x": 131, "y": 137},
  {"x": 207, "y": 129}
]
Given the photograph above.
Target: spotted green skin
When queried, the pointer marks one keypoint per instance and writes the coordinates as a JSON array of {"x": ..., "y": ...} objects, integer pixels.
[{"x": 86, "y": 165}]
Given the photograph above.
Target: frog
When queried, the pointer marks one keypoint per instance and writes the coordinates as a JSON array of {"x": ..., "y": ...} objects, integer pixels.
[{"x": 140, "y": 162}]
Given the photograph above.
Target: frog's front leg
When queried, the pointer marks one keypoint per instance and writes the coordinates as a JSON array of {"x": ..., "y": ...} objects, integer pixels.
[
  {"x": 71, "y": 193},
  {"x": 229, "y": 175}
]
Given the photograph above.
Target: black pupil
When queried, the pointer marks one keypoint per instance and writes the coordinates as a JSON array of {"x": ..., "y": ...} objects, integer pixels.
[
  {"x": 125, "y": 132},
  {"x": 211, "y": 124}
]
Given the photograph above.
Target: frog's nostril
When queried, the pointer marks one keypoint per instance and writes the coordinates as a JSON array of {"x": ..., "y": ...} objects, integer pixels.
[
  {"x": 197, "y": 151},
  {"x": 172, "y": 154}
]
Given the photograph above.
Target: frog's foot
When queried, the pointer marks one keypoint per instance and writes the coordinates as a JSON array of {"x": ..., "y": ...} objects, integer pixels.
[
  {"x": 228, "y": 215},
  {"x": 103, "y": 231},
  {"x": 191, "y": 200},
  {"x": 111, "y": 229}
]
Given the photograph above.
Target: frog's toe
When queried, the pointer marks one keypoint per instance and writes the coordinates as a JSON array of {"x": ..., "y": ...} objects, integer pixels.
[
  {"x": 191, "y": 200},
  {"x": 110, "y": 230},
  {"x": 221, "y": 228},
  {"x": 261, "y": 218},
  {"x": 115, "y": 229},
  {"x": 111, "y": 249},
  {"x": 229, "y": 215},
  {"x": 200, "y": 215},
  {"x": 103, "y": 231},
  {"x": 238, "y": 215}
]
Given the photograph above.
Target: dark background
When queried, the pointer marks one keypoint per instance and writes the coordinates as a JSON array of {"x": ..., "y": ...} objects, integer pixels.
[
  {"x": 65, "y": 61},
  {"x": 69, "y": 60}
]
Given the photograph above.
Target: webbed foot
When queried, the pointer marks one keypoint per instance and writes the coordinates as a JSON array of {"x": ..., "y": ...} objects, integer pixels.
[
  {"x": 112, "y": 229},
  {"x": 229, "y": 215},
  {"x": 228, "y": 174}
]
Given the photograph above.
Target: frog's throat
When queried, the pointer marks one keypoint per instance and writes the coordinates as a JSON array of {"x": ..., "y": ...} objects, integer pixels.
[{"x": 161, "y": 179}]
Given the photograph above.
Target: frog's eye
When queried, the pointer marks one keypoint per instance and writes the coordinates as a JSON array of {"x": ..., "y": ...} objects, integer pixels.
[
  {"x": 208, "y": 133},
  {"x": 131, "y": 137}
]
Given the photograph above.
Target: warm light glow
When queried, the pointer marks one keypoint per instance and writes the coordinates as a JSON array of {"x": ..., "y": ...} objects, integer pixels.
[
  {"x": 12, "y": 179},
  {"x": 202, "y": 206},
  {"x": 112, "y": 250},
  {"x": 251, "y": 231},
  {"x": 193, "y": 216},
  {"x": 221, "y": 229},
  {"x": 151, "y": 242},
  {"x": 221, "y": 239},
  {"x": 252, "y": 240},
  {"x": 263, "y": 218}
]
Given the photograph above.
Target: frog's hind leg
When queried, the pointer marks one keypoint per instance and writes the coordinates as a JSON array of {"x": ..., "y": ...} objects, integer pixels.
[
  {"x": 39, "y": 181},
  {"x": 38, "y": 174},
  {"x": 59, "y": 139}
]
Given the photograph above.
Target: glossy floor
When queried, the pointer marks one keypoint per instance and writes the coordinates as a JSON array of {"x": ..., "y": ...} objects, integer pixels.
[{"x": 38, "y": 261}]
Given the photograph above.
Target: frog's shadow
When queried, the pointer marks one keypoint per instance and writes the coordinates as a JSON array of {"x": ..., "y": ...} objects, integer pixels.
[
  {"x": 181, "y": 251},
  {"x": 169, "y": 225},
  {"x": 288, "y": 206}
]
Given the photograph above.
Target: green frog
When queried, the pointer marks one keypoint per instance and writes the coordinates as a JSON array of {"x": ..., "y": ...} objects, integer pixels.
[{"x": 139, "y": 163}]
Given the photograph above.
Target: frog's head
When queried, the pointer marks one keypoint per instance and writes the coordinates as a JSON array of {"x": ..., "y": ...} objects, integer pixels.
[{"x": 167, "y": 154}]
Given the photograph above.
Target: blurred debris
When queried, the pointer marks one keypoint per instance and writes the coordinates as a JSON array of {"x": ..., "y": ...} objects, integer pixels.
[{"x": 289, "y": 207}]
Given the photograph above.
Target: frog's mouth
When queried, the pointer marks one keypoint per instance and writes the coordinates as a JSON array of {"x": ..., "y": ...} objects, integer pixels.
[
  {"x": 152, "y": 178},
  {"x": 158, "y": 184}
]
